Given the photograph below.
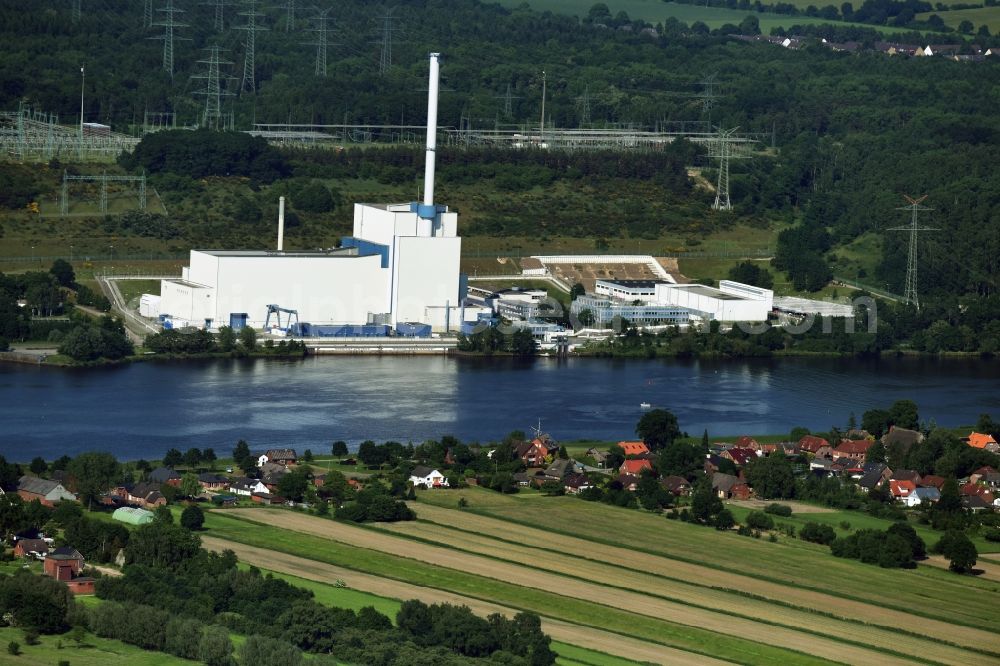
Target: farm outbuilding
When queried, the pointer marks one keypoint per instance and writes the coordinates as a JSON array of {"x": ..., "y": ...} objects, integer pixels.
[{"x": 133, "y": 516}]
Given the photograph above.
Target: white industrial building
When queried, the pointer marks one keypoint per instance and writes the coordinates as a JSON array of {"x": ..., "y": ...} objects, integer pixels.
[
  {"x": 628, "y": 290},
  {"x": 400, "y": 265},
  {"x": 732, "y": 301}
]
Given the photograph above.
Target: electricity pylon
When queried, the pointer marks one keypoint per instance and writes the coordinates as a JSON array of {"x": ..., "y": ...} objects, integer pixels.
[
  {"x": 322, "y": 41},
  {"x": 169, "y": 24},
  {"x": 910, "y": 293},
  {"x": 213, "y": 90},
  {"x": 385, "y": 54},
  {"x": 249, "y": 82}
]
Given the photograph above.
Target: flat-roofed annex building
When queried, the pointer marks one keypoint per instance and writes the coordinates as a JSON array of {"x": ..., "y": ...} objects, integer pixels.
[{"x": 732, "y": 301}]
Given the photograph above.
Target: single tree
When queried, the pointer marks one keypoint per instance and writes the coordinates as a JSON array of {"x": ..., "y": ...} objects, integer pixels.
[
  {"x": 226, "y": 339},
  {"x": 38, "y": 465},
  {"x": 193, "y": 518},
  {"x": 658, "y": 428},
  {"x": 248, "y": 338},
  {"x": 190, "y": 487},
  {"x": 92, "y": 474},
  {"x": 62, "y": 271},
  {"x": 173, "y": 458},
  {"x": 339, "y": 449},
  {"x": 193, "y": 457}
]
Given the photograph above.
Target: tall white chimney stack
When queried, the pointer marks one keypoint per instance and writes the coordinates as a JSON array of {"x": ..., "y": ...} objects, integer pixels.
[
  {"x": 281, "y": 224},
  {"x": 432, "y": 113}
]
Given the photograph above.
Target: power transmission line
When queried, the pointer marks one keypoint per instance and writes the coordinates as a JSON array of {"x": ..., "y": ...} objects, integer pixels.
[
  {"x": 584, "y": 103},
  {"x": 147, "y": 14},
  {"x": 249, "y": 82},
  {"x": 910, "y": 292},
  {"x": 723, "y": 147},
  {"x": 289, "y": 15},
  {"x": 76, "y": 10},
  {"x": 169, "y": 24}
]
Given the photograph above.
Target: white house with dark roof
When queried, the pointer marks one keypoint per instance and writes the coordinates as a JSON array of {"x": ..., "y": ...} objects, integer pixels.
[{"x": 427, "y": 477}]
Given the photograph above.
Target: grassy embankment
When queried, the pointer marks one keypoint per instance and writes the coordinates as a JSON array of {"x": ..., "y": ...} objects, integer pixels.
[
  {"x": 476, "y": 553},
  {"x": 656, "y": 11},
  {"x": 988, "y": 16}
]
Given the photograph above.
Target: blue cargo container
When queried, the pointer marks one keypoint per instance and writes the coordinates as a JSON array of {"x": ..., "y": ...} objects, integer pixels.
[{"x": 413, "y": 329}]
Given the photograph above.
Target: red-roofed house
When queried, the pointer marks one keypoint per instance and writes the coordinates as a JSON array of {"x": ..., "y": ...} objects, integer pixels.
[
  {"x": 986, "y": 475},
  {"x": 747, "y": 442},
  {"x": 635, "y": 467},
  {"x": 977, "y": 490},
  {"x": 812, "y": 444},
  {"x": 978, "y": 440},
  {"x": 855, "y": 449},
  {"x": 740, "y": 456},
  {"x": 535, "y": 452},
  {"x": 634, "y": 448},
  {"x": 628, "y": 481},
  {"x": 901, "y": 489},
  {"x": 932, "y": 481}
]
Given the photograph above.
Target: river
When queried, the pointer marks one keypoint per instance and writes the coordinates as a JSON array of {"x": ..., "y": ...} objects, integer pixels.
[{"x": 142, "y": 409}]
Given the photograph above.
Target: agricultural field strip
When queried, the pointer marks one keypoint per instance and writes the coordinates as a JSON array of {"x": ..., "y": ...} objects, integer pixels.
[
  {"x": 637, "y": 578},
  {"x": 950, "y": 596},
  {"x": 990, "y": 569},
  {"x": 792, "y": 639},
  {"x": 708, "y": 577},
  {"x": 570, "y": 609},
  {"x": 566, "y": 632}
]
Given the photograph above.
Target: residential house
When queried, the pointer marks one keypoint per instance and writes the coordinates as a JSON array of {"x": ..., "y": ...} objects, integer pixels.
[
  {"x": 747, "y": 442},
  {"x": 30, "y": 547},
  {"x": 975, "y": 503},
  {"x": 246, "y": 487},
  {"x": 634, "y": 448},
  {"x": 629, "y": 482},
  {"x": 740, "y": 456},
  {"x": 267, "y": 498},
  {"x": 676, "y": 485},
  {"x": 907, "y": 475},
  {"x": 723, "y": 484},
  {"x": 537, "y": 452},
  {"x": 874, "y": 475},
  {"x": 823, "y": 467},
  {"x": 283, "y": 457},
  {"x": 635, "y": 467},
  {"x": 901, "y": 489},
  {"x": 932, "y": 481},
  {"x": 31, "y": 488},
  {"x": 922, "y": 495},
  {"x": 210, "y": 481},
  {"x": 165, "y": 475},
  {"x": 559, "y": 470},
  {"x": 65, "y": 564},
  {"x": 522, "y": 479},
  {"x": 979, "y": 440},
  {"x": 986, "y": 475},
  {"x": 145, "y": 494},
  {"x": 901, "y": 439},
  {"x": 854, "y": 449},
  {"x": 599, "y": 457},
  {"x": 977, "y": 490},
  {"x": 427, "y": 477},
  {"x": 813, "y": 444},
  {"x": 319, "y": 480},
  {"x": 576, "y": 482}
]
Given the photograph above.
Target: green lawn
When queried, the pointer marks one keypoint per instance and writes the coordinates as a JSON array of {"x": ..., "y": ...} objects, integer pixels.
[
  {"x": 988, "y": 16},
  {"x": 578, "y": 611},
  {"x": 655, "y": 11},
  {"x": 957, "y": 599},
  {"x": 571, "y": 655},
  {"x": 134, "y": 289},
  {"x": 858, "y": 521},
  {"x": 340, "y": 597},
  {"x": 93, "y": 651}
]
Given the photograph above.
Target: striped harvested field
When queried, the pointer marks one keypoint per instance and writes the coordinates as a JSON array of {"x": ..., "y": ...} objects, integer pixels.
[
  {"x": 926, "y": 591},
  {"x": 641, "y": 593}
]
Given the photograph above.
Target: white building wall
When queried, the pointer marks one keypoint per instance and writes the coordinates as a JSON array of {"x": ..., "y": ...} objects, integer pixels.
[
  {"x": 426, "y": 274},
  {"x": 324, "y": 289},
  {"x": 719, "y": 309}
]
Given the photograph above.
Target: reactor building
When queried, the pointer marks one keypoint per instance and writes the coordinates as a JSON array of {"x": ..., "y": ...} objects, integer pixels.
[{"x": 400, "y": 266}]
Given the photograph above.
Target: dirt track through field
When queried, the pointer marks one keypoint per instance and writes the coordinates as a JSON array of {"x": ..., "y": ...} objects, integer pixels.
[
  {"x": 797, "y": 507},
  {"x": 565, "y": 632},
  {"x": 634, "y": 602},
  {"x": 825, "y": 603},
  {"x": 990, "y": 569}
]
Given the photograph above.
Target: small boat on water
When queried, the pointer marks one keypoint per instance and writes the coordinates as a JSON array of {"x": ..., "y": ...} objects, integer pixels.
[{"x": 644, "y": 405}]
